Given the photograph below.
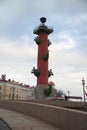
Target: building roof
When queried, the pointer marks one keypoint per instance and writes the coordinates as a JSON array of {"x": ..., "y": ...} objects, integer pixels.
[{"x": 14, "y": 82}]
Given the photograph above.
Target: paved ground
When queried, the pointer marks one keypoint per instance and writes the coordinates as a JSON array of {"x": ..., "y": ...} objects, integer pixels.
[{"x": 18, "y": 121}]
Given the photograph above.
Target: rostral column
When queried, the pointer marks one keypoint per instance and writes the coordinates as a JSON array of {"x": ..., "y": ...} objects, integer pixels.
[{"x": 42, "y": 73}]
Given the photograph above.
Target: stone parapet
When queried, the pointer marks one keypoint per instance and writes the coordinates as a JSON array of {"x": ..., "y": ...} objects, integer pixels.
[{"x": 63, "y": 118}]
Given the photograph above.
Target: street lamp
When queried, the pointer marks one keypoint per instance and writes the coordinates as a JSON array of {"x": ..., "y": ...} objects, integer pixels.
[
  {"x": 83, "y": 83},
  {"x": 68, "y": 93}
]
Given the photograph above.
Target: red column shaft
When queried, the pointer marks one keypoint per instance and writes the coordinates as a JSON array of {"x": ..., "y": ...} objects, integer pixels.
[{"x": 41, "y": 64}]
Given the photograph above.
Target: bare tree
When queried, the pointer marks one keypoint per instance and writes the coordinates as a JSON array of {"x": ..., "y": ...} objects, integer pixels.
[{"x": 60, "y": 93}]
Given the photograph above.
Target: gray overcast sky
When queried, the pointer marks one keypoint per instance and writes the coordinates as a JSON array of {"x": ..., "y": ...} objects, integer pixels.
[{"x": 68, "y": 52}]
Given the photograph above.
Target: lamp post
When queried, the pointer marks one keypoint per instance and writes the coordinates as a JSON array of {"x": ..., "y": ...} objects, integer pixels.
[
  {"x": 68, "y": 93},
  {"x": 83, "y": 83}
]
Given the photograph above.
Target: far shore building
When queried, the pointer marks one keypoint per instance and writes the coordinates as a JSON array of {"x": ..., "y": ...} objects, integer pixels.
[{"x": 12, "y": 90}]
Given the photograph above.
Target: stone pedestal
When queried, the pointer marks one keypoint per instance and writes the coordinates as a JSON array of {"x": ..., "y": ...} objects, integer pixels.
[{"x": 39, "y": 92}]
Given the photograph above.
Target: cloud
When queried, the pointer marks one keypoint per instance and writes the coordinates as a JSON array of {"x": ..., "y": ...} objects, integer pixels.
[
  {"x": 15, "y": 10},
  {"x": 17, "y": 59},
  {"x": 20, "y": 49},
  {"x": 68, "y": 63},
  {"x": 65, "y": 51},
  {"x": 21, "y": 16}
]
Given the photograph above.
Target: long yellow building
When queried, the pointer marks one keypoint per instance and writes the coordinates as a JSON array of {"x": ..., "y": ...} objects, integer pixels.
[{"x": 11, "y": 90}]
